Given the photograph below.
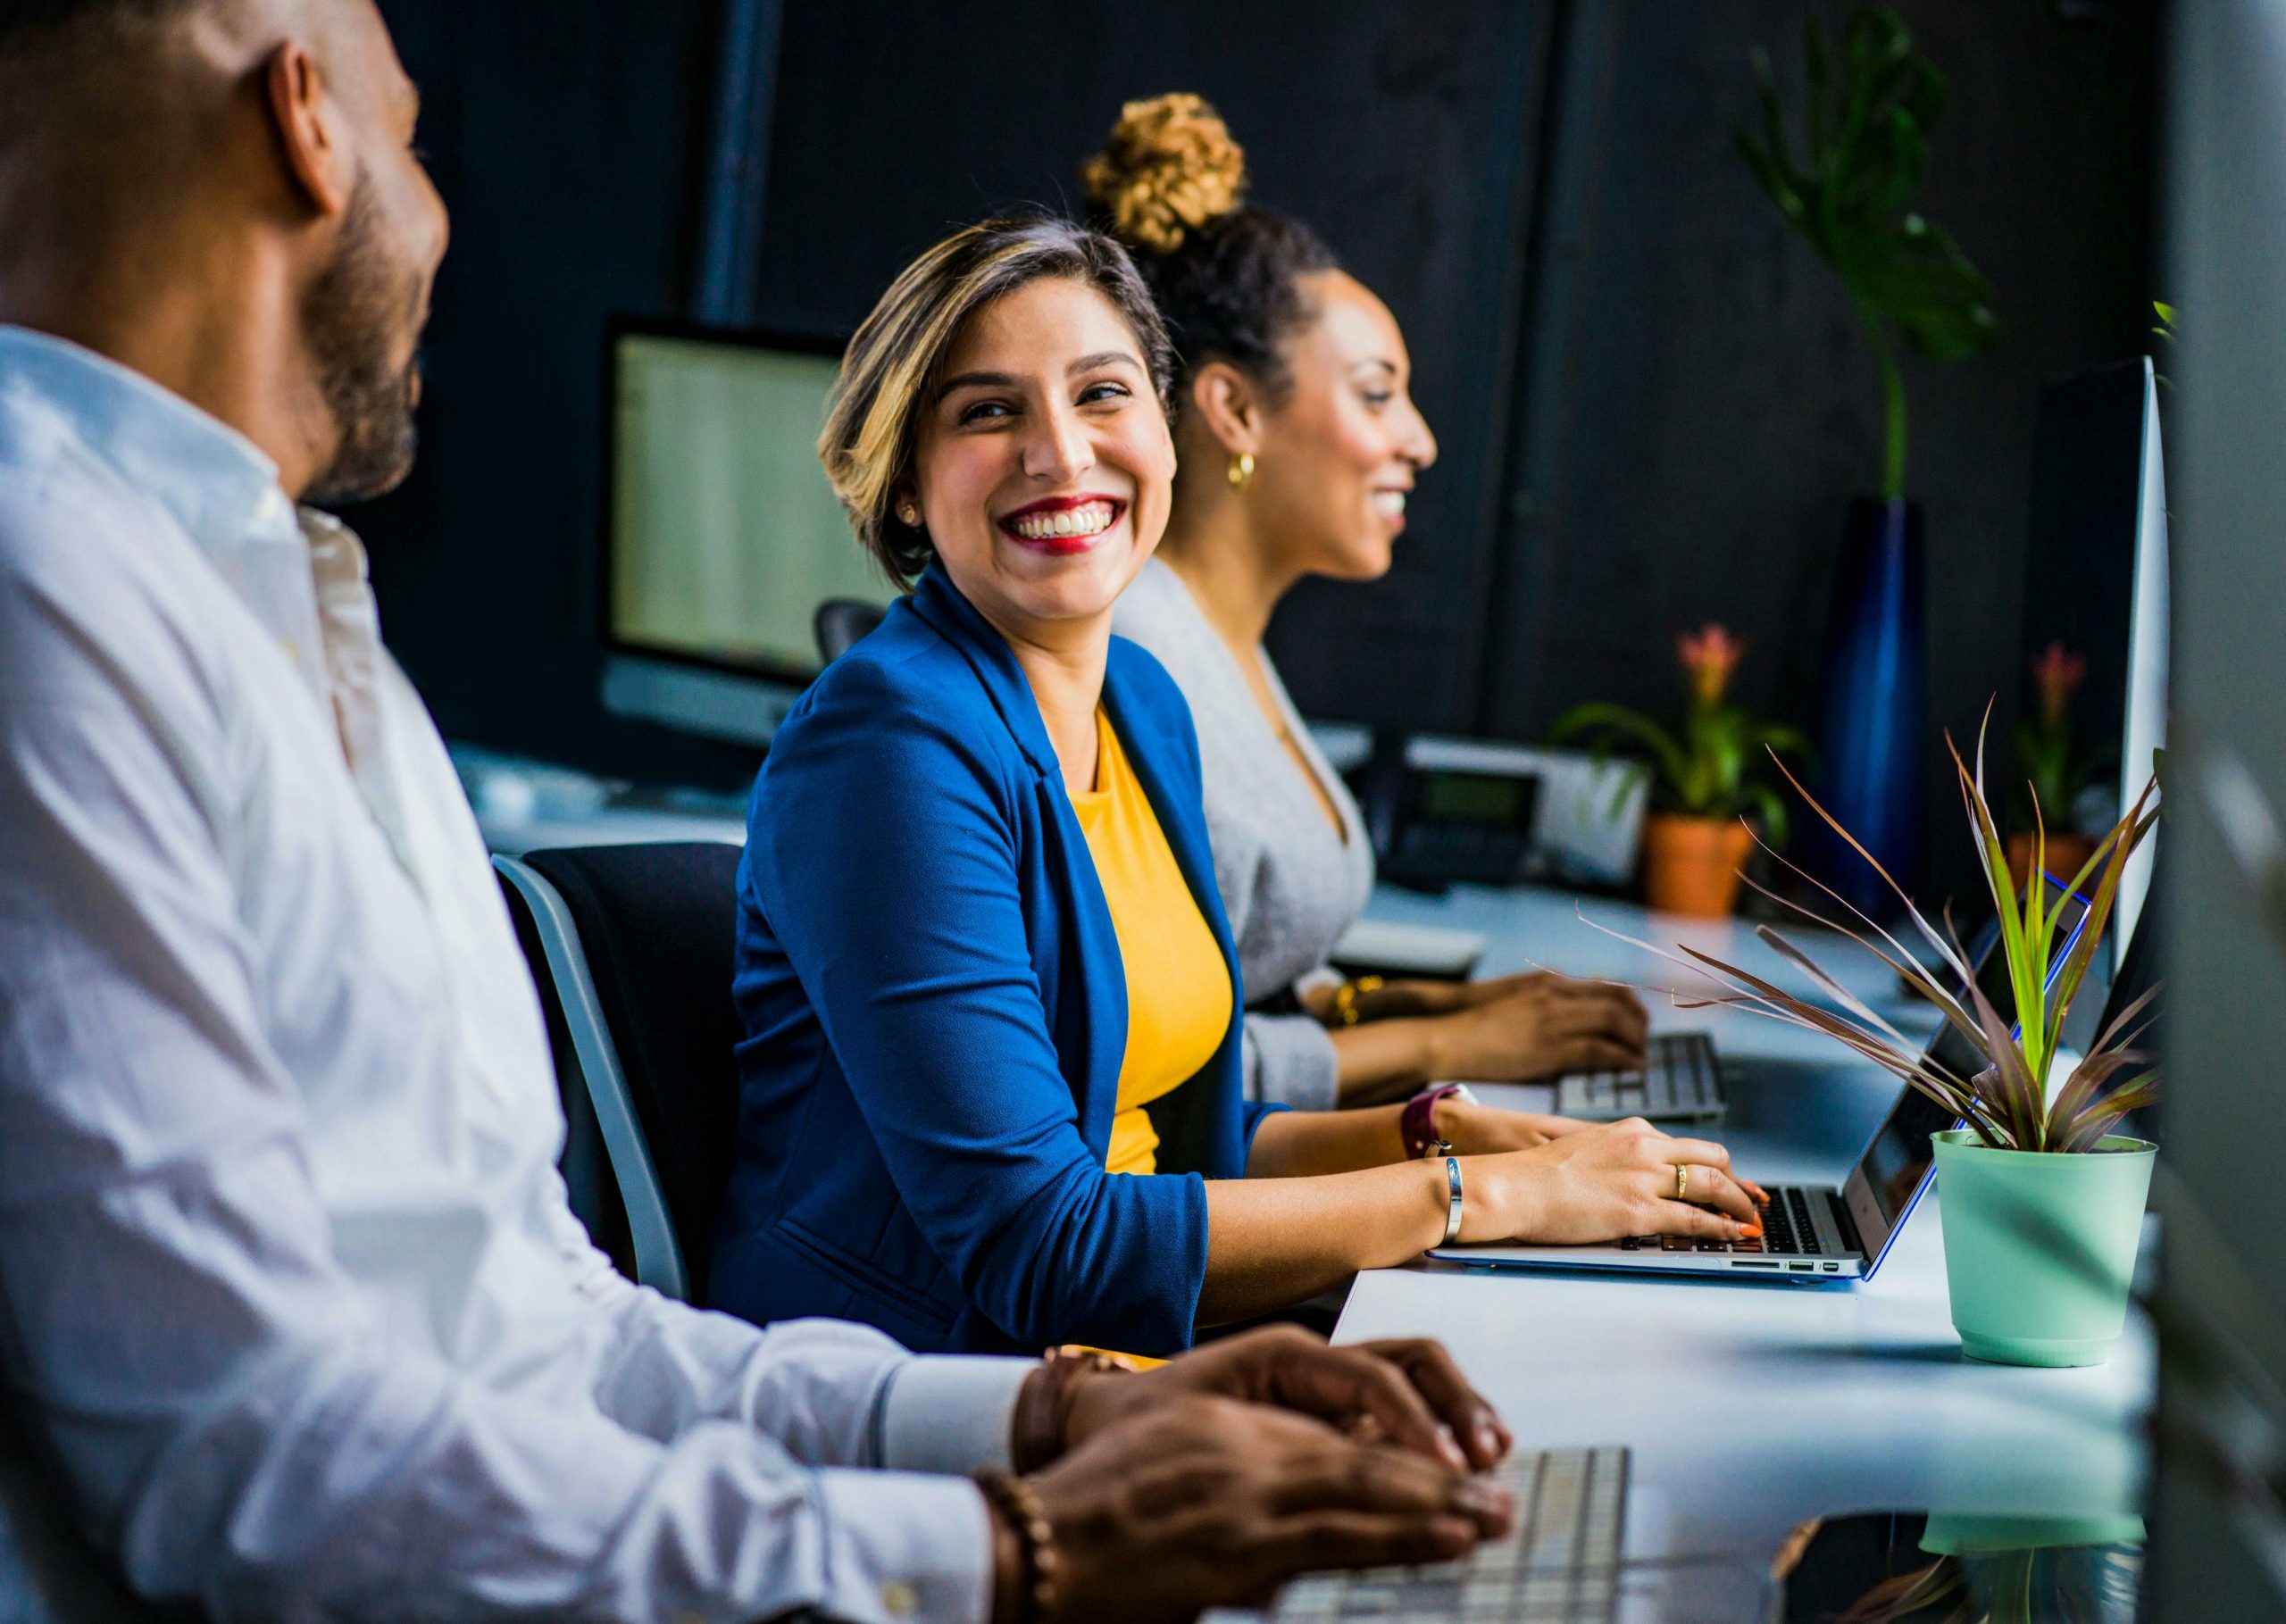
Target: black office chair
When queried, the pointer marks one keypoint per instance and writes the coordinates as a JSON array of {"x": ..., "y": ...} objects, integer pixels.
[
  {"x": 636, "y": 955},
  {"x": 48, "y": 1574},
  {"x": 839, "y": 622}
]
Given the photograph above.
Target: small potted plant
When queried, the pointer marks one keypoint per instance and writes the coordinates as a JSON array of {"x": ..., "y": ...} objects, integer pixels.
[
  {"x": 2042, "y": 1202},
  {"x": 2054, "y": 771},
  {"x": 1694, "y": 840}
]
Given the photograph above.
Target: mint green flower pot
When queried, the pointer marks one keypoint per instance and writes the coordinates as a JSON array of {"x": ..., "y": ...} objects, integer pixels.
[{"x": 2040, "y": 1248}]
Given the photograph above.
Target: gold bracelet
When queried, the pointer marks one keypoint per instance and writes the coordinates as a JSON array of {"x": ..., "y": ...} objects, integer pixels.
[
  {"x": 1019, "y": 1506},
  {"x": 1346, "y": 997}
]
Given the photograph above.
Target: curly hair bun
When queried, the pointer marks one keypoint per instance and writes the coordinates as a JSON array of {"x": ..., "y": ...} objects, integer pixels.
[{"x": 1170, "y": 167}]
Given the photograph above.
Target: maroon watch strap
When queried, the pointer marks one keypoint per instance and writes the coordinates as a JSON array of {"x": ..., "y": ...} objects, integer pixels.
[{"x": 1419, "y": 1122}]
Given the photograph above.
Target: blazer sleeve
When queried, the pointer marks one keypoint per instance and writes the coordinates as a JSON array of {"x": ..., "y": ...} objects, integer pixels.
[{"x": 889, "y": 873}]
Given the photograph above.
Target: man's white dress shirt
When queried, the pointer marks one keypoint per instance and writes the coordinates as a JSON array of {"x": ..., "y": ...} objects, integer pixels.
[{"x": 289, "y": 1284}]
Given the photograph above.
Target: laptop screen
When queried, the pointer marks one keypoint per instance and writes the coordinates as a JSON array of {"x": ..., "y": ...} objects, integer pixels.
[{"x": 1896, "y": 1162}]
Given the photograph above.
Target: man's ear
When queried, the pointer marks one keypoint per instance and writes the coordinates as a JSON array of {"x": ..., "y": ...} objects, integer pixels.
[
  {"x": 1228, "y": 406},
  {"x": 312, "y": 134}
]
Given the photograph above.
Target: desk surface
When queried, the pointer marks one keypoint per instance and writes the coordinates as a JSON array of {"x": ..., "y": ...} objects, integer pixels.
[{"x": 1752, "y": 1408}]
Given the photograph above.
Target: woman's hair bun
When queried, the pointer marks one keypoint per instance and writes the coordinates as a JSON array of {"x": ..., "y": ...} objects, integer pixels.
[{"x": 1169, "y": 168}]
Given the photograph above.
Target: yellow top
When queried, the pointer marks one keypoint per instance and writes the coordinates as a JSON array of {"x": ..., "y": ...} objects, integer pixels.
[{"x": 1178, "y": 985}]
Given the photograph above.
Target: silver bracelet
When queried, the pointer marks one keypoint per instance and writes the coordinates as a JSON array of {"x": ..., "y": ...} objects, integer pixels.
[{"x": 1453, "y": 1213}]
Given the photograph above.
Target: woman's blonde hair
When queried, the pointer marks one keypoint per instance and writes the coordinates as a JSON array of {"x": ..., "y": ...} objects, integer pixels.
[{"x": 874, "y": 425}]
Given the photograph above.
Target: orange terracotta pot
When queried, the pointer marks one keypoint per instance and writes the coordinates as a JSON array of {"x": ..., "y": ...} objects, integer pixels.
[
  {"x": 1690, "y": 865},
  {"x": 2065, "y": 854}
]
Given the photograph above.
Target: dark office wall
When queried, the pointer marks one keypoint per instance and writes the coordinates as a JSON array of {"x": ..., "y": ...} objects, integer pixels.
[
  {"x": 1719, "y": 407},
  {"x": 1713, "y": 413},
  {"x": 1407, "y": 135},
  {"x": 568, "y": 143}
]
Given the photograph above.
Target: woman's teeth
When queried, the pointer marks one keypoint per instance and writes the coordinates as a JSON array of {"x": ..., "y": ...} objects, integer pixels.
[
  {"x": 1088, "y": 519},
  {"x": 1389, "y": 503}
]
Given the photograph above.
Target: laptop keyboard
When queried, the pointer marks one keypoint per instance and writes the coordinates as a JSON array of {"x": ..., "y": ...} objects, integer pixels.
[
  {"x": 1559, "y": 1564},
  {"x": 1679, "y": 1081},
  {"x": 1788, "y": 1230}
]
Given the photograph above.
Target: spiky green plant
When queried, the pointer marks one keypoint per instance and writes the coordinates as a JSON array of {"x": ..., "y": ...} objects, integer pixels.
[
  {"x": 1866, "y": 151},
  {"x": 2007, "y": 1102}
]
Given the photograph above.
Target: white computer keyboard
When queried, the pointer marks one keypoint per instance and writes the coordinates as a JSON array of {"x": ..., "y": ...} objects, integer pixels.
[
  {"x": 1680, "y": 1082},
  {"x": 1559, "y": 1564}
]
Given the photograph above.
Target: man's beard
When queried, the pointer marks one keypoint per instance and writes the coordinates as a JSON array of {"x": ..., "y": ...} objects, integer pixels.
[{"x": 353, "y": 318}]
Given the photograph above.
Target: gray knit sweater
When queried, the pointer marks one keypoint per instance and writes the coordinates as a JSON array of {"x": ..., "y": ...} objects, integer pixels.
[{"x": 1290, "y": 885}]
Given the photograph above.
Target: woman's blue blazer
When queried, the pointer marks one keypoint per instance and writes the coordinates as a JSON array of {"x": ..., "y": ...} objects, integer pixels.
[{"x": 936, "y": 1011}]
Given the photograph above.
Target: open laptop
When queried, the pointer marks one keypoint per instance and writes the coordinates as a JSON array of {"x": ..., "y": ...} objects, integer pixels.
[{"x": 1816, "y": 1233}]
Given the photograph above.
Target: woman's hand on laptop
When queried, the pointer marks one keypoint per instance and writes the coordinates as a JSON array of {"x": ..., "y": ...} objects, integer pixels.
[
  {"x": 1484, "y": 1131},
  {"x": 1604, "y": 1183},
  {"x": 1538, "y": 1026}
]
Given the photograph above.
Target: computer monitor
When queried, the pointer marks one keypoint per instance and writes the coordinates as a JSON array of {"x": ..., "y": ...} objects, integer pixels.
[
  {"x": 2096, "y": 583},
  {"x": 722, "y": 536}
]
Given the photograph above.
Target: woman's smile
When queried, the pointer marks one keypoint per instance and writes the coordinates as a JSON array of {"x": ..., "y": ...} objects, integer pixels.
[{"x": 1062, "y": 527}]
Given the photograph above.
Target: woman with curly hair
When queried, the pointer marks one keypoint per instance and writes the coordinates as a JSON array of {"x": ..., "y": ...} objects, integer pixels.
[{"x": 1297, "y": 447}]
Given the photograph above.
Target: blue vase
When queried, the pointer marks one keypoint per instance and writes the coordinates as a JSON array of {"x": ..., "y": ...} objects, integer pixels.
[{"x": 1871, "y": 743}]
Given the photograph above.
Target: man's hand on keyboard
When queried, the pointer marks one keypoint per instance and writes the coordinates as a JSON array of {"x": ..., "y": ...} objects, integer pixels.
[
  {"x": 1408, "y": 1392},
  {"x": 1208, "y": 1501}
]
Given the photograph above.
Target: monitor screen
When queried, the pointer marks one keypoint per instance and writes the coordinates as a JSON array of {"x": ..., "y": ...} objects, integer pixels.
[
  {"x": 2091, "y": 706},
  {"x": 724, "y": 536},
  {"x": 1478, "y": 797}
]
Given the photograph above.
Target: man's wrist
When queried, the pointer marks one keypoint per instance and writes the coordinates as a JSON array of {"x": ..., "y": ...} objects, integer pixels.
[
  {"x": 1048, "y": 1407},
  {"x": 1009, "y": 1592}
]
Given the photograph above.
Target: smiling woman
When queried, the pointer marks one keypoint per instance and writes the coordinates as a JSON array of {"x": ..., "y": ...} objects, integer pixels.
[{"x": 991, "y": 1076}]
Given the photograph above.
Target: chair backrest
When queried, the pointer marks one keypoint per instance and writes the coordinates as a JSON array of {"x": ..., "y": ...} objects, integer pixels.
[
  {"x": 657, "y": 923},
  {"x": 48, "y": 1575},
  {"x": 839, "y": 622}
]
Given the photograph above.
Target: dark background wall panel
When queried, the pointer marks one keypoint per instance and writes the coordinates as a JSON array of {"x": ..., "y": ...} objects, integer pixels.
[
  {"x": 1721, "y": 406},
  {"x": 1712, "y": 407},
  {"x": 568, "y": 143},
  {"x": 1406, "y": 135}
]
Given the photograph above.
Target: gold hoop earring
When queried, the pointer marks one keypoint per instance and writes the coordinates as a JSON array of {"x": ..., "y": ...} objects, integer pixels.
[{"x": 1242, "y": 470}]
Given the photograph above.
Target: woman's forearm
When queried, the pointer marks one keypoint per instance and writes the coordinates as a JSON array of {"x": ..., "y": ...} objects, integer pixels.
[
  {"x": 1383, "y": 1060},
  {"x": 1272, "y": 1243},
  {"x": 1306, "y": 1144}
]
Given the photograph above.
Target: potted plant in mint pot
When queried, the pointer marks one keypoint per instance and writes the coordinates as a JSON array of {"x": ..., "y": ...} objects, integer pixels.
[
  {"x": 2042, "y": 1204},
  {"x": 1866, "y": 114},
  {"x": 1695, "y": 840}
]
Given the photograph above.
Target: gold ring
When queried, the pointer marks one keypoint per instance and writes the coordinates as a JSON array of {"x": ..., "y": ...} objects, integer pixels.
[{"x": 1683, "y": 1181}]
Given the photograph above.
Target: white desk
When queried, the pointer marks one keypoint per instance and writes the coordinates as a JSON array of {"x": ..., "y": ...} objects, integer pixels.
[{"x": 1754, "y": 1407}]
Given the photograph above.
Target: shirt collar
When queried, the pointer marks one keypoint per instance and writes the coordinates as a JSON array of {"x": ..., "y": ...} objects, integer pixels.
[{"x": 214, "y": 482}]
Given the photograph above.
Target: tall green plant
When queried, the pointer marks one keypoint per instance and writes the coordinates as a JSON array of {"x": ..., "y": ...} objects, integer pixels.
[{"x": 1866, "y": 121}]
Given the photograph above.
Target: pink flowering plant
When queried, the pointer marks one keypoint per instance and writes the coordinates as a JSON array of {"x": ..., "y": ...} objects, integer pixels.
[
  {"x": 1704, "y": 765},
  {"x": 2055, "y": 769}
]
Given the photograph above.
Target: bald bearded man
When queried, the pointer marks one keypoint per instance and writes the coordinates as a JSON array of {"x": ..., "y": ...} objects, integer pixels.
[{"x": 291, "y": 1296}]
